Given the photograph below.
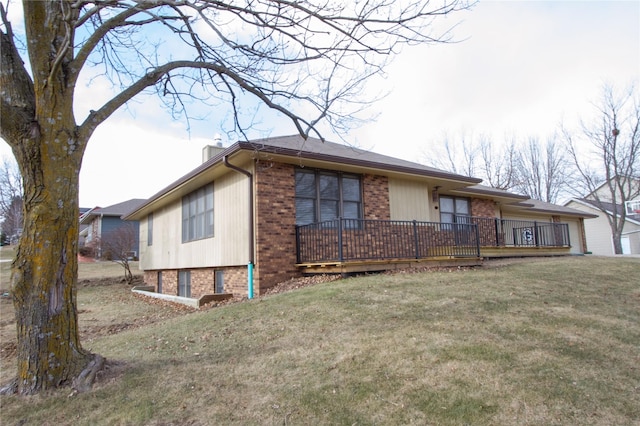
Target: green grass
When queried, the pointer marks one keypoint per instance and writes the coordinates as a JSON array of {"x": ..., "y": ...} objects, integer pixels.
[{"x": 553, "y": 341}]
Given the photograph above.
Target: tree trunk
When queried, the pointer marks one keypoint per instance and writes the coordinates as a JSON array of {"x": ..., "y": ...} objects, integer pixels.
[
  {"x": 44, "y": 274},
  {"x": 45, "y": 142},
  {"x": 617, "y": 243}
]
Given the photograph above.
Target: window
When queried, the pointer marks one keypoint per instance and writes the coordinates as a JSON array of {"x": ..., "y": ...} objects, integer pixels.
[
  {"x": 323, "y": 195},
  {"x": 159, "y": 281},
  {"x": 454, "y": 210},
  {"x": 150, "y": 229},
  {"x": 219, "y": 282},
  {"x": 197, "y": 214},
  {"x": 184, "y": 283}
]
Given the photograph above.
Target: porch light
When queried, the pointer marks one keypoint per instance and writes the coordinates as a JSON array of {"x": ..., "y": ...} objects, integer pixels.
[{"x": 434, "y": 194}]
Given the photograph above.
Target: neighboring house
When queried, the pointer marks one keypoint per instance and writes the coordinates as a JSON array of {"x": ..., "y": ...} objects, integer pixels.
[
  {"x": 261, "y": 212},
  {"x": 82, "y": 232},
  {"x": 101, "y": 226},
  {"x": 598, "y": 230}
]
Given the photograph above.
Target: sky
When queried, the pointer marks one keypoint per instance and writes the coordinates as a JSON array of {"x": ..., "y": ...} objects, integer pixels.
[{"x": 517, "y": 68}]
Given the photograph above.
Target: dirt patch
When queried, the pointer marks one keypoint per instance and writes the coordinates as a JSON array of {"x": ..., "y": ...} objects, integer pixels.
[
  {"x": 297, "y": 283},
  {"x": 95, "y": 282}
]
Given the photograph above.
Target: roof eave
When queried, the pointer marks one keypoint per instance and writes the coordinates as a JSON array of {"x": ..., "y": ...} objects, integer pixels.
[
  {"x": 290, "y": 153},
  {"x": 295, "y": 153}
]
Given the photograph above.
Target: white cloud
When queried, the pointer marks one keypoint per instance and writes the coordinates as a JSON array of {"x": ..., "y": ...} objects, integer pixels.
[
  {"x": 524, "y": 67},
  {"x": 520, "y": 69}
]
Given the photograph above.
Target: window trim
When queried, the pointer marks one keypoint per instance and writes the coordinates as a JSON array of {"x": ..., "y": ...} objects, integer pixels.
[
  {"x": 195, "y": 225},
  {"x": 455, "y": 214},
  {"x": 317, "y": 198}
]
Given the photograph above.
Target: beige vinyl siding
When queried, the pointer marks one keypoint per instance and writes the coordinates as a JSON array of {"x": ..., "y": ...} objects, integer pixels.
[
  {"x": 634, "y": 242},
  {"x": 632, "y": 231},
  {"x": 409, "y": 200},
  {"x": 575, "y": 237},
  {"x": 599, "y": 240},
  {"x": 597, "y": 231},
  {"x": 229, "y": 245},
  {"x": 512, "y": 216}
]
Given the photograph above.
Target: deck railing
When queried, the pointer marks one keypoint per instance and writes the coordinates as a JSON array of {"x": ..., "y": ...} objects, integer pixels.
[
  {"x": 495, "y": 232},
  {"x": 360, "y": 239}
]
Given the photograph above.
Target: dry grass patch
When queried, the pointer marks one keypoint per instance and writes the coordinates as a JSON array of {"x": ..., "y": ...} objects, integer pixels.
[{"x": 550, "y": 341}]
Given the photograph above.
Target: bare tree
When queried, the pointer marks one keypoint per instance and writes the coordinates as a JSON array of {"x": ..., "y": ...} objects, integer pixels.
[
  {"x": 458, "y": 156},
  {"x": 477, "y": 156},
  {"x": 544, "y": 169},
  {"x": 307, "y": 60},
  {"x": 121, "y": 246},
  {"x": 10, "y": 198},
  {"x": 606, "y": 154},
  {"x": 499, "y": 163}
]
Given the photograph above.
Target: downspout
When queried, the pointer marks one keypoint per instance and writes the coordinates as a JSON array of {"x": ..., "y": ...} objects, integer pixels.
[{"x": 248, "y": 174}]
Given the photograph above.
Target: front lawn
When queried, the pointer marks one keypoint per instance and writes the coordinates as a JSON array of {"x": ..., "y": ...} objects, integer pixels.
[{"x": 541, "y": 341}]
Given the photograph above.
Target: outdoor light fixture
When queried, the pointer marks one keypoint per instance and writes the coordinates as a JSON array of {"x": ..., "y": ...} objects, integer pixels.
[{"x": 434, "y": 194}]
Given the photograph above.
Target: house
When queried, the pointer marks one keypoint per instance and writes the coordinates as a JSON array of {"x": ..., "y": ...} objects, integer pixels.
[
  {"x": 598, "y": 230},
  {"x": 604, "y": 203},
  {"x": 83, "y": 227},
  {"x": 258, "y": 213},
  {"x": 103, "y": 228}
]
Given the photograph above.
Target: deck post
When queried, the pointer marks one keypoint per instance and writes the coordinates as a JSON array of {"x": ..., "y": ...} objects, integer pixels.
[
  {"x": 536, "y": 234},
  {"x": 497, "y": 232},
  {"x": 478, "y": 240},
  {"x": 415, "y": 239},
  {"x": 340, "y": 254},
  {"x": 298, "y": 256}
]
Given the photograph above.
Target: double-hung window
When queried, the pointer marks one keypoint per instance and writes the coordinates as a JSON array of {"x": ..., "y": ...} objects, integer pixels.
[
  {"x": 454, "y": 210},
  {"x": 197, "y": 214},
  {"x": 323, "y": 195}
]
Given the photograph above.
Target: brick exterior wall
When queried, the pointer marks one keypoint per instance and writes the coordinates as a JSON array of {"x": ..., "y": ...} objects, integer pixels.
[
  {"x": 376, "y": 197},
  {"x": 169, "y": 281},
  {"x": 275, "y": 236},
  {"x": 235, "y": 280},
  {"x": 202, "y": 281},
  {"x": 275, "y": 214},
  {"x": 151, "y": 278},
  {"x": 483, "y": 208}
]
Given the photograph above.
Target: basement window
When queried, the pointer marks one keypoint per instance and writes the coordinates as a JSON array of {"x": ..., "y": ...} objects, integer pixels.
[{"x": 184, "y": 283}]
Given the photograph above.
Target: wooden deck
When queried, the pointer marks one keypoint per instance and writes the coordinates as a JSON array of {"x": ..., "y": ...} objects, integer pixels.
[
  {"x": 353, "y": 267},
  {"x": 492, "y": 252},
  {"x": 362, "y": 266}
]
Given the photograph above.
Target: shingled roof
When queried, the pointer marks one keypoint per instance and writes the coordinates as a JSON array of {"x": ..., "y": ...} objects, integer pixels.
[
  {"x": 295, "y": 146},
  {"x": 609, "y": 207},
  {"x": 118, "y": 210}
]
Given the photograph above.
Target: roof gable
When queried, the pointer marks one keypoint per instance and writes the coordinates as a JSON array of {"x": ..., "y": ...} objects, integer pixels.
[
  {"x": 608, "y": 207},
  {"x": 118, "y": 210},
  {"x": 296, "y": 149}
]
